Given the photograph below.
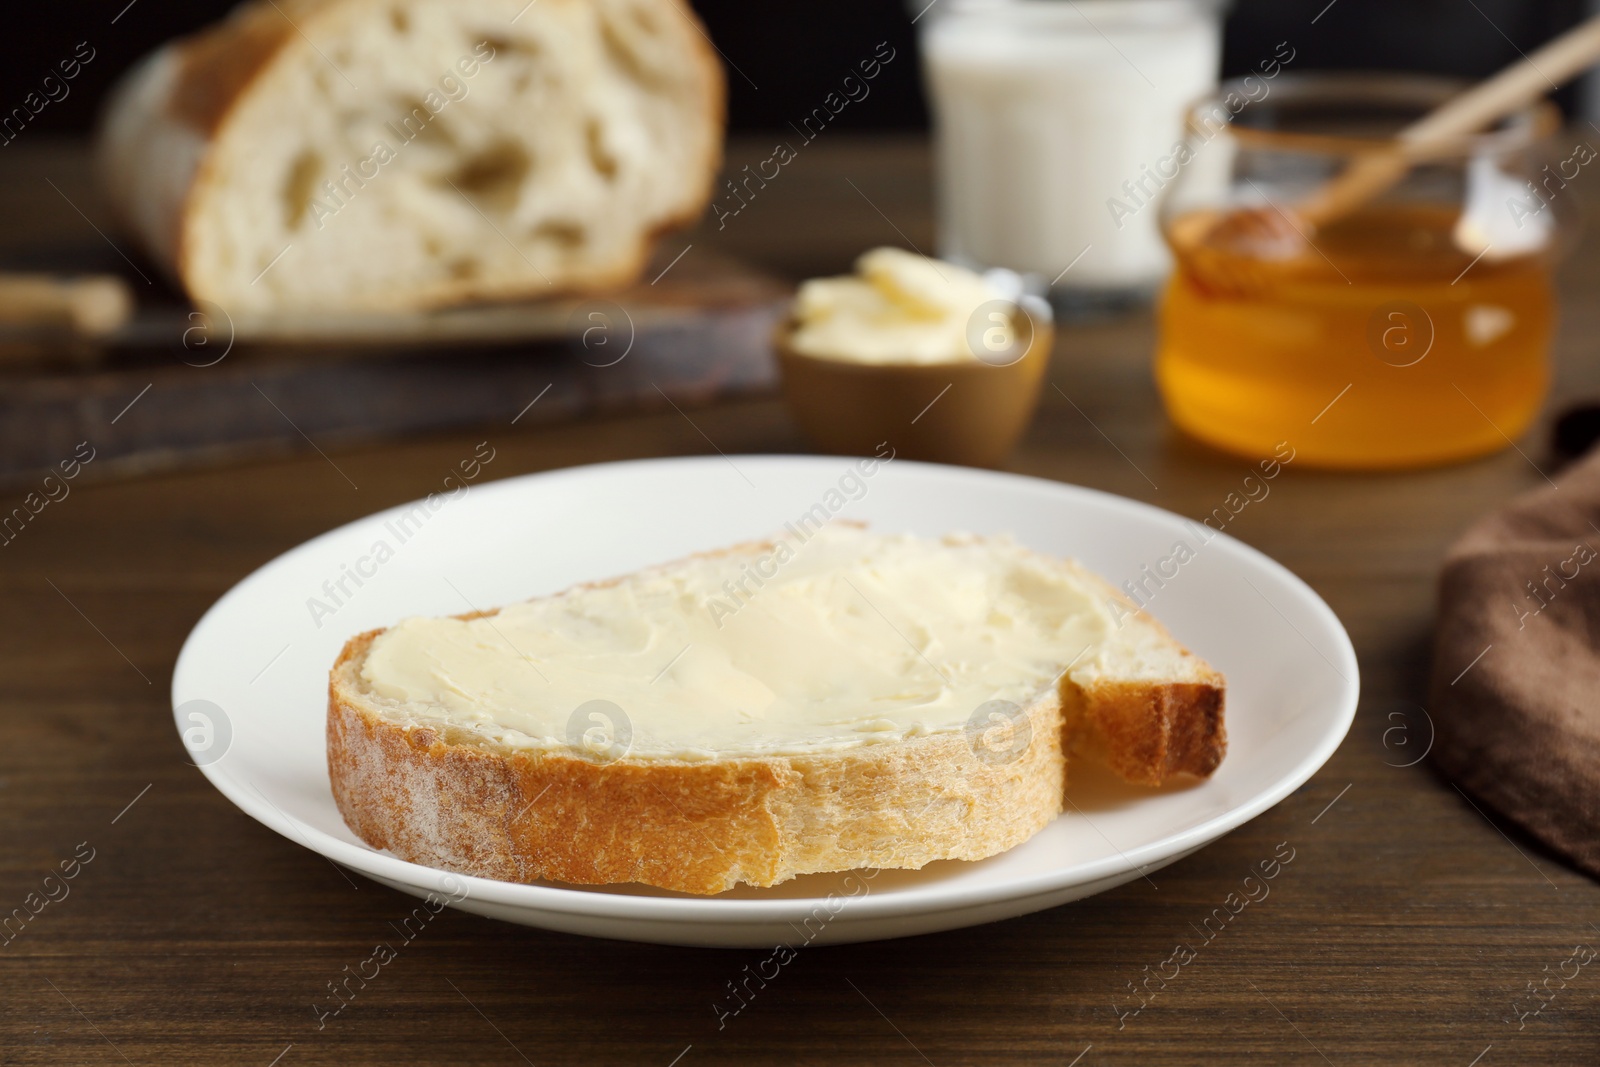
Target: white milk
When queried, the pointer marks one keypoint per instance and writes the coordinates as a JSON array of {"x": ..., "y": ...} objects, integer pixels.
[{"x": 1044, "y": 109}]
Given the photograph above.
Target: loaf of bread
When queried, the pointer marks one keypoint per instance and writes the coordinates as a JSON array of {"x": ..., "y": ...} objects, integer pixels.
[
  {"x": 831, "y": 700},
  {"x": 391, "y": 155}
]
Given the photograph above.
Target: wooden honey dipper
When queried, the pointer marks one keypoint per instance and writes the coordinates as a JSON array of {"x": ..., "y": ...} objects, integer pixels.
[{"x": 1283, "y": 231}]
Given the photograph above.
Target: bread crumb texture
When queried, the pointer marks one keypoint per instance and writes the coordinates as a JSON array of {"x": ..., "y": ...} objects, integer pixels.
[{"x": 381, "y": 155}]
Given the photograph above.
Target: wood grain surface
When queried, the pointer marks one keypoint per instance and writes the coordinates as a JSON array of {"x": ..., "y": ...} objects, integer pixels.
[{"x": 1402, "y": 932}]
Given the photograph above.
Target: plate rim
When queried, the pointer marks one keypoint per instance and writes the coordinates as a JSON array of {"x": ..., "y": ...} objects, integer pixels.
[{"x": 916, "y": 900}]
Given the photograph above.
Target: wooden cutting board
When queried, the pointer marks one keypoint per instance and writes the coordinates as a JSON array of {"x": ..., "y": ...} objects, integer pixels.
[{"x": 183, "y": 386}]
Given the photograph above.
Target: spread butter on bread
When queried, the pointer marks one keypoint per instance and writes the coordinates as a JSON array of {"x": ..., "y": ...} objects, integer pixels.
[{"x": 773, "y": 709}]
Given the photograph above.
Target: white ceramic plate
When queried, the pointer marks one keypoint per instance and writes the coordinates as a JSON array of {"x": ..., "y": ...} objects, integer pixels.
[{"x": 257, "y": 665}]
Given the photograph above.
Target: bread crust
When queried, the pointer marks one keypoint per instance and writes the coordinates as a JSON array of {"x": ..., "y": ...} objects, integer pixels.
[
  {"x": 1149, "y": 732},
  {"x": 219, "y": 63},
  {"x": 445, "y": 798},
  {"x": 205, "y": 78}
]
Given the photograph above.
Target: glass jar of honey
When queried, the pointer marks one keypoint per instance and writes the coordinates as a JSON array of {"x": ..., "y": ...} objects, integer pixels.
[{"x": 1411, "y": 327}]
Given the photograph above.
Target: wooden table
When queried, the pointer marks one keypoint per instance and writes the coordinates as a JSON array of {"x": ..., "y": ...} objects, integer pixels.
[{"x": 1402, "y": 931}]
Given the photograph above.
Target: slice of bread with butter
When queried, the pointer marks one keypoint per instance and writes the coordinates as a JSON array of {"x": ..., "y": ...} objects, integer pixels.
[{"x": 768, "y": 710}]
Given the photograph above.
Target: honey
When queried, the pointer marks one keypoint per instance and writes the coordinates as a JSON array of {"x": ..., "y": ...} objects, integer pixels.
[{"x": 1380, "y": 342}]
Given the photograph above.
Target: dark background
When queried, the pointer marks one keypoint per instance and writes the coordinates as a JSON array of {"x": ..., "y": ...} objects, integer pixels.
[{"x": 791, "y": 55}]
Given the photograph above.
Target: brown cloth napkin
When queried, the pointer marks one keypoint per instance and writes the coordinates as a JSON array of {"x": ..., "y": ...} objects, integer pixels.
[{"x": 1516, "y": 666}]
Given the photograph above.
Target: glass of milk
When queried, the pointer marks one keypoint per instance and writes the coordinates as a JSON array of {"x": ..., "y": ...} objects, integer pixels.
[{"x": 1057, "y": 124}]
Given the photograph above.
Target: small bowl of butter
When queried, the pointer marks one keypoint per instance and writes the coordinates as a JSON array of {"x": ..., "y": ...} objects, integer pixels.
[{"x": 932, "y": 359}]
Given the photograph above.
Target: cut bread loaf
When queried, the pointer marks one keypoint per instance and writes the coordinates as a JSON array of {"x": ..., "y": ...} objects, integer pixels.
[
  {"x": 831, "y": 700},
  {"x": 382, "y": 155}
]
